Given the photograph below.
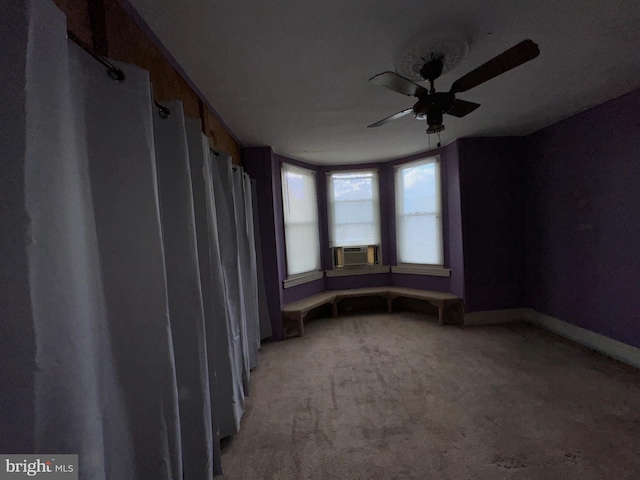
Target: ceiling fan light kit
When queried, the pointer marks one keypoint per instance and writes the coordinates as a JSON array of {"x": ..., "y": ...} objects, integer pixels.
[{"x": 432, "y": 105}]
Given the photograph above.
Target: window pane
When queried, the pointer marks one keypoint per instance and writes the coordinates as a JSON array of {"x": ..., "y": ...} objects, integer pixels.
[
  {"x": 420, "y": 239},
  {"x": 419, "y": 188},
  {"x": 356, "y": 233},
  {"x": 353, "y": 212},
  {"x": 303, "y": 249},
  {"x": 300, "y": 203},
  {"x": 352, "y": 186},
  {"x": 418, "y": 213},
  {"x": 354, "y": 215},
  {"x": 300, "y": 209}
]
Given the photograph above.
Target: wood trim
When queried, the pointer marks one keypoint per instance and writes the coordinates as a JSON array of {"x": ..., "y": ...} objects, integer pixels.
[
  {"x": 98, "y": 22},
  {"x": 114, "y": 29},
  {"x": 201, "y": 112},
  {"x": 77, "y": 13}
]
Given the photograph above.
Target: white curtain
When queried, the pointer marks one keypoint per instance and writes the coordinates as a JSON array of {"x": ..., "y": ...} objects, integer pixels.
[
  {"x": 120, "y": 153},
  {"x": 89, "y": 300},
  {"x": 220, "y": 183},
  {"x": 246, "y": 260},
  {"x": 223, "y": 332},
  {"x": 129, "y": 284},
  {"x": 184, "y": 293},
  {"x": 59, "y": 379}
]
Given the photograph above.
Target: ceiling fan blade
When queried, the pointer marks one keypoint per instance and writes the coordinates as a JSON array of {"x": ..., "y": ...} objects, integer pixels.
[
  {"x": 462, "y": 107},
  {"x": 392, "y": 117},
  {"x": 515, "y": 56},
  {"x": 398, "y": 83}
]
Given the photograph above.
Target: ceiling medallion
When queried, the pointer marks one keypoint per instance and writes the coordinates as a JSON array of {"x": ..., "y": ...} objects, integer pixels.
[{"x": 413, "y": 54}]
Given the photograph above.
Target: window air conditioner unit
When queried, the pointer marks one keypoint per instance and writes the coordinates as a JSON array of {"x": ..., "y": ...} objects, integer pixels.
[{"x": 355, "y": 256}]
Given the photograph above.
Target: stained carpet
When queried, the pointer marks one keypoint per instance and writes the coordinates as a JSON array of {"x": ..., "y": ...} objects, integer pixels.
[{"x": 397, "y": 396}]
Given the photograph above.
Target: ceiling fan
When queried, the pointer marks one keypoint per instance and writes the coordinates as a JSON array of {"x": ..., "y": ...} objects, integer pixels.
[{"x": 432, "y": 105}]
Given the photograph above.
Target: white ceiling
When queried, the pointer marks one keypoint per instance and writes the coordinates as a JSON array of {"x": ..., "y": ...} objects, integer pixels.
[{"x": 293, "y": 74}]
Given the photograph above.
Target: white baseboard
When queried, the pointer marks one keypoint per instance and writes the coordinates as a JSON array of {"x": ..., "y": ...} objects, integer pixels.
[
  {"x": 490, "y": 317},
  {"x": 613, "y": 348}
]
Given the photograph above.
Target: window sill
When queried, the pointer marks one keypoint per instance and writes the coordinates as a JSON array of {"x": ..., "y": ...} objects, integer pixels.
[
  {"x": 432, "y": 270},
  {"x": 302, "y": 278},
  {"x": 363, "y": 270}
]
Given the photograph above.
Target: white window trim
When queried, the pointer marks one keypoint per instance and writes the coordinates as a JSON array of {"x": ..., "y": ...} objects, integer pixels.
[
  {"x": 302, "y": 278},
  {"x": 360, "y": 270},
  {"x": 416, "y": 269}
]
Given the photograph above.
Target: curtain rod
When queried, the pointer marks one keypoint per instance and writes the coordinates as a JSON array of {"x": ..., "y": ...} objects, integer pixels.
[{"x": 115, "y": 73}]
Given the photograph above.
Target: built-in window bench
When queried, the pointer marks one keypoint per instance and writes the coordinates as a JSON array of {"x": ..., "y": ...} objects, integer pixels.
[{"x": 296, "y": 311}]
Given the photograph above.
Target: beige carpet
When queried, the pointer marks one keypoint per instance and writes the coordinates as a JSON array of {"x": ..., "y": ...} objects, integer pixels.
[{"x": 397, "y": 396}]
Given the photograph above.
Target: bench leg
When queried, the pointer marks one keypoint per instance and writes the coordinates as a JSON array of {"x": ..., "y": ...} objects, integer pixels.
[
  {"x": 334, "y": 309},
  {"x": 389, "y": 304},
  {"x": 440, "y": 314},
  {"x": 301, "y": 326}
]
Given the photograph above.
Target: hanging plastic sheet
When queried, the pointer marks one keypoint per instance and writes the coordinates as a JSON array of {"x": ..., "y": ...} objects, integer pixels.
[
  {"x": 121, "y": 160},
  {"x": 223, "y": 332},
  {"x": 245, "y": 274},
  {"x": 59, "y": 380},
  {"x": 100, "y": 371},
  {"x": 253, "y": 262},
  {"x": 220, "y": 182},
  {"x": 184, "y": 293}
]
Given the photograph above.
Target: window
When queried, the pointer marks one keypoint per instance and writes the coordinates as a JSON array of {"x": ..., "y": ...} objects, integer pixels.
[
  {"x": 354, "y": 213},
  {"x": 419, "y": 213},
  {"x": 300, "y": 207}
]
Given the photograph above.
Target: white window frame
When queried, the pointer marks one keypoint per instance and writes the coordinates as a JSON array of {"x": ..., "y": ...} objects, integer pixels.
[
  {"x": 436, "y": 269},
  {"x": 315, "y": 273}
]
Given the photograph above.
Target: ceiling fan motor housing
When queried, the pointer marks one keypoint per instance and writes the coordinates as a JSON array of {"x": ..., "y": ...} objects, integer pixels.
[{"x": 432, "y": 106}]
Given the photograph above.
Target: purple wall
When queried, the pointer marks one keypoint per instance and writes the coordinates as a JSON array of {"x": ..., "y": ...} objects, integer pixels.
[
  {"x": 292, "y": 294},
  {"x": 455, "y": 241},
  {"x": 492, "y": 186},
  {"x": 583, "y": 219},
  {"x": 358, "y": 281}
]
